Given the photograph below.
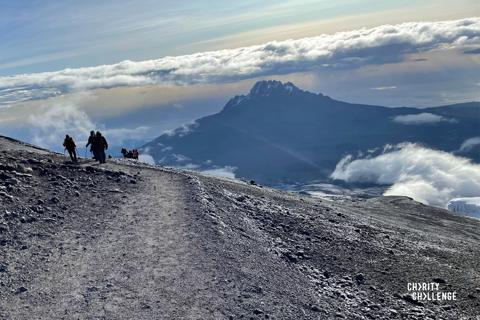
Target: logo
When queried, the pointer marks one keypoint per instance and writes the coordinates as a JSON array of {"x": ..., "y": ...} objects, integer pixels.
[{"x": 429, "y": 291}]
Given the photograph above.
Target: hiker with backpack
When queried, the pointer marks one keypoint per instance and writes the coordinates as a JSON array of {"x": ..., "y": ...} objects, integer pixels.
[
  {"x": 70, "y": 146},
  {"x": 99, "y": 146},
  {"x": 91, "y": 139}
]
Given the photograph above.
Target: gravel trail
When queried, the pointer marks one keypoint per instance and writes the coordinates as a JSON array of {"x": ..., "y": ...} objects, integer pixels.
[{"x": 128, "y": 241}]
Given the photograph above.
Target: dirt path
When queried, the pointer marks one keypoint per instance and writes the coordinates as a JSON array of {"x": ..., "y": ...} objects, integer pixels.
[
  {"x": 123, "y": 241},
  {"x": 137, "y": 265}
]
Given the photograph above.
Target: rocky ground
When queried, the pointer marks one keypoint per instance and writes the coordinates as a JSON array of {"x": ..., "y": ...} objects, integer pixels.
[{"x": 128, "y": 241}]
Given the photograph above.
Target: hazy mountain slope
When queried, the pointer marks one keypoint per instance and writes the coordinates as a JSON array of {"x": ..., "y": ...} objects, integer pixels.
[
  {"x": 124, "y": 241},
  {"x": 279, "y": 133}
]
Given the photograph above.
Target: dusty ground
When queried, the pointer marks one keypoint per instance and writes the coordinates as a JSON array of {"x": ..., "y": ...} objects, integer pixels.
[{"x": 122, "y": 241}]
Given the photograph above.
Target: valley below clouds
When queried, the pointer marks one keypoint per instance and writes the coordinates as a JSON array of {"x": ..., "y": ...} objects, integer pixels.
[{"x": 429, "y": 176}]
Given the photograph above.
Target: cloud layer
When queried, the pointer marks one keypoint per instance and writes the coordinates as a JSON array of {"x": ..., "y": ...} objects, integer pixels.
[
  {"x": 49, "y": 126},
  {"x": 429, "y": 176},
  {"x": 469, "y": 144},
  {"x": 420, "y": 118},
  {"x": 378, "y": 45}
]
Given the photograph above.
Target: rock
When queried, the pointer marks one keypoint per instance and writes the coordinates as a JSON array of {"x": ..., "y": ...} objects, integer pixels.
[
  {"x": 21, "y": 290},
  {"x": 77, "y": 194},
  {"x": 292, "y": 258},
  {"x": 4, "y": 176},
  {"x": 3, "y": 268},
  {"x": 54, "y": 200},
  {"x": 408, "y": 297},
  {"x": 90, "y": 169},
  {"x": 257, "y": 311},
  {"x": 92, "y": 289},
  {"x": 6, "y": 195},
  {"x": 315, "y": 308},
  {"x": 6, "y": 167},
  {"x": 3, "y": 227},
  {"x": 133, "y": 181},
  {"x": 12, "y": 182},
  {"x": 360, "y": 278},
  {"x": 33, "y": 161},
  {"x": 439, "y": 280},
  {"x": 241, "y": 198}
]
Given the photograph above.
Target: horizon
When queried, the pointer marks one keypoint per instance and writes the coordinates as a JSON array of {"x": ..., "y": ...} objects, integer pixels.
[
  {"x": 138, "y": 71},
  {"x": 280, "y": 159}
]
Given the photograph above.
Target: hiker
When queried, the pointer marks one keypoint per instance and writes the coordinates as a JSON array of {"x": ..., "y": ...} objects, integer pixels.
[
  {"x": 90, "y": 143},
  {"x": 99, "y": 146},
  {"x": 69, "y": 144},
  {"x": 135, "y": 154}
]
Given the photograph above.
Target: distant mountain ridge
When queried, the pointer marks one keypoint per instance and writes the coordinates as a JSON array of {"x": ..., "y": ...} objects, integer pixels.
[{"x": 278, "y": 133}]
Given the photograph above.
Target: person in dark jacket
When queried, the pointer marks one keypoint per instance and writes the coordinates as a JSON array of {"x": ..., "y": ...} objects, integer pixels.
[
  {"x": 99, "y": 146},
  {"x": 69, "y": 144},
  {"x": 90, "y": 143}
]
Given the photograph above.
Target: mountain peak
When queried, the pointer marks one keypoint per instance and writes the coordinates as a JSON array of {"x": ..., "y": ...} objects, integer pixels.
[{"x": 269, "y": 87}]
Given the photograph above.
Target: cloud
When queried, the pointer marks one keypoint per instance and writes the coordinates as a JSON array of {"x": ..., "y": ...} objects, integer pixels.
[
  {"x": 183, "y": 130},
  {"x": 383, "y": 44},
  {"x": 49, "y": 124},
  {"x": 223, "y": 172},
  {"x": 472, "y": 51},
  {"x": 428, "y": 176},
  {"x": 146, "y": 158},
  {"x": 384, "y": 88},
  {"x": 469, "y": 144},
  {"x": 117, "y": 135},
  {"x": 421, "y": 118}
]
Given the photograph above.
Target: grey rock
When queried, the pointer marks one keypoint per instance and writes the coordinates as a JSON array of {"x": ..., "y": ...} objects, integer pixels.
[{"x": 360, "y": 278}]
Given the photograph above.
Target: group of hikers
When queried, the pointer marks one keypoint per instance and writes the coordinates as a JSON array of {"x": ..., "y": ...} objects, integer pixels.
[
  {"x": 98, "y": 144},
  {"x": 130, "y": 154}
]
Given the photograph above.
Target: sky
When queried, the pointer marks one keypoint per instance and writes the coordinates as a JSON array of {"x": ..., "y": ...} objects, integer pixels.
[{"x": 137, "y": 68}]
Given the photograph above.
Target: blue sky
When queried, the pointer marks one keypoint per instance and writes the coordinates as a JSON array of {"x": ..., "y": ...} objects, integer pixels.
[
  {"x": 45, "y": 35},
  {"x": 137, "y": 68}
]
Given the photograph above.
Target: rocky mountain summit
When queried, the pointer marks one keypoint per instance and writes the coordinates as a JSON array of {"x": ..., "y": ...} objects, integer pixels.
[
  {"x": 280, "y": 134},
  {"x": 131, "y": 241}
]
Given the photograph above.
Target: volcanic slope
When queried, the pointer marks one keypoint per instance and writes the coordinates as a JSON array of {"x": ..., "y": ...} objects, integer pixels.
[{"x": 129, "y": 241}]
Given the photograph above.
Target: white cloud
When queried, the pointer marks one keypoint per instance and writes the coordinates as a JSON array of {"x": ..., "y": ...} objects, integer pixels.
[
  {"x": 49, "y": 124},
  {"x": 421, "y": 118},
  {"x": 224, "y": 172},
  {"x": 384, "y": 88},
  {"x": 180, "y": 157},
  {"x": 429, "y": 176},
  {"x": 183, "y": 130},
  {"x": 381, "y": 44},
  {"x": 146, "y": 158},
  {"x": 469, "y": 144},
  {"x": 117, "y": 135}
]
